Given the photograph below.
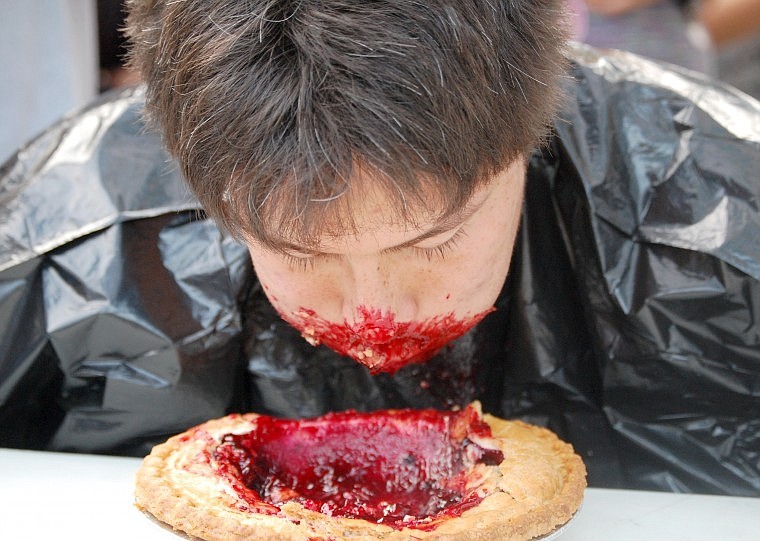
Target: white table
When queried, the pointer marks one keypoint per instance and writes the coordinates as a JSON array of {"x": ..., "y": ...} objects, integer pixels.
[{"x": 86, "y": 497}]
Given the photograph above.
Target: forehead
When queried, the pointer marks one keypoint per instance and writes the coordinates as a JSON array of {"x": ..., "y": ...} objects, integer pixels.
[{"x": 369, "y": 214}]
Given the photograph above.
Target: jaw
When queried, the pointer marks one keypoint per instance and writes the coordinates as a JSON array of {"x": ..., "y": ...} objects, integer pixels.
[{"x": 378, "y": 341}]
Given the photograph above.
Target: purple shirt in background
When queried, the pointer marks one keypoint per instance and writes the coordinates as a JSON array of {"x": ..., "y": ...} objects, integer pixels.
[{"x": 660, "y": 32}]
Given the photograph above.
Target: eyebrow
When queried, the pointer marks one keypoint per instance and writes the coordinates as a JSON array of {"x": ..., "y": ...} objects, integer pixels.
[{"x": 448, "y": 223}]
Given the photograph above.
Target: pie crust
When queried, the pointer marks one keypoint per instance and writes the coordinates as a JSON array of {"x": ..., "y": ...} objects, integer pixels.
[{"x": 535, "y": 488}]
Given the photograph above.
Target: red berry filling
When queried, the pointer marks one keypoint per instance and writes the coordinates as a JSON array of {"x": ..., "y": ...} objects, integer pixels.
[{"x": 396, "y": 467}]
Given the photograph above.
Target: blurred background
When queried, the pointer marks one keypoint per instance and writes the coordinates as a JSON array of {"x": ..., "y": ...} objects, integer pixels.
[
  {"x": 718, "y": 37},
  {"x": 58, "y": 55},
  {"x": 55, "y": 57}
]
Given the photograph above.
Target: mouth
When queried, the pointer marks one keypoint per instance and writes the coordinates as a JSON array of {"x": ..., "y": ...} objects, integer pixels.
[{"x": 379, "y": 342}]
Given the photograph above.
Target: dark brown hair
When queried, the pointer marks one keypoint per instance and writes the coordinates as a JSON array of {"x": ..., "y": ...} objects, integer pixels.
[{"x": 269, "y": 106}]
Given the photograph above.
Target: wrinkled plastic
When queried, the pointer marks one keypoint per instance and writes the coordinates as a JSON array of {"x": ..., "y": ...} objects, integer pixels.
[{"x": 627, "y": 324}]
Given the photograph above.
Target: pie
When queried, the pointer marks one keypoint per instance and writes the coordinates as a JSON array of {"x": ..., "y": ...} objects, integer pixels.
[{"x": 389, "y": 474}]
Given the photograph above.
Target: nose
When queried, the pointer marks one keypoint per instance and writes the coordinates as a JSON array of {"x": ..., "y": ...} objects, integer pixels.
[{"x": 375, "y": 283}]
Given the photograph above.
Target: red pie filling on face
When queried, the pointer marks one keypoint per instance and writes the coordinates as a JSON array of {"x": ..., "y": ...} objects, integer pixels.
[
  {"x": 380, "y": 342},
  {"x": 397, "y": 467}
]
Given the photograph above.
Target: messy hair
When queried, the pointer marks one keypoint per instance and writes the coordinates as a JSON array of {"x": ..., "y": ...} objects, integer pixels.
[{"x": 271, "y": 107}]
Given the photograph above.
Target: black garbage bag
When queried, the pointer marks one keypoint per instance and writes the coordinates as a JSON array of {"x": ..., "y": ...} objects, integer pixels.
[
  {"x": 119, "y": 306},
  {"x": 628, "y": 323}
]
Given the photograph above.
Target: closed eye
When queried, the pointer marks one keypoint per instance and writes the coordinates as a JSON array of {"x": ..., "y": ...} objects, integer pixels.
[
  {"x": 440, "y": 251},
  {"x": 303, "y": 263}
]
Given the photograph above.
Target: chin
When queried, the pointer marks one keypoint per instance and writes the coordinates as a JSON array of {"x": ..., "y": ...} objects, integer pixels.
[
  {"x": 391, "y": 356},
  {"x": 379, "y": 342}
]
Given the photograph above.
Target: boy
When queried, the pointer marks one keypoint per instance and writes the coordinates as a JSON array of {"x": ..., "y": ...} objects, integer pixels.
[
  {"x": 375, "y": 160},
  {"x": 377, "y": 187}
]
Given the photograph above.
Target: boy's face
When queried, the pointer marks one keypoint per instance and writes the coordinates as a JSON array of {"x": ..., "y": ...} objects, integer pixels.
[{"x": 394, "y": 293}]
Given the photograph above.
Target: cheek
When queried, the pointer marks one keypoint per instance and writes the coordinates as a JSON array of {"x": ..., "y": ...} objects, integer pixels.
[
  {"x": 478, "y": 276},
  {"x": 285, "y": 289}
]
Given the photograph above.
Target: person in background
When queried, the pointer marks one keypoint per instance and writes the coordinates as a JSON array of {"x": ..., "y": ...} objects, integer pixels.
[
  {"x": 656, "y": 29},
  {"x": 112, "y": 47},
  {"x": 734, "y": 28}
]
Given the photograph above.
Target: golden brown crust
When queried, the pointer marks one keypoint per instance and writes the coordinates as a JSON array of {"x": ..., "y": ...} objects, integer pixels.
[{"x": 538, "y": 486}]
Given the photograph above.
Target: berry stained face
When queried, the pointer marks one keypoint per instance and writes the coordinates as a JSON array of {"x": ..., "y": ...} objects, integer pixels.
[
  {"x": 380, "y": 342},
  {"x": 390, "y": 291}
]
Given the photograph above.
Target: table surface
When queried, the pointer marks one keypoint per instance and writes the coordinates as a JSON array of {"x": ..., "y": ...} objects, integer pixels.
[{"x": 71, "y": 496}]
